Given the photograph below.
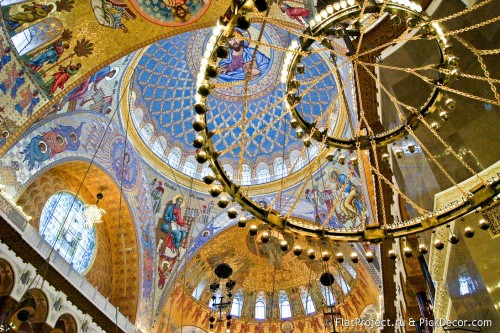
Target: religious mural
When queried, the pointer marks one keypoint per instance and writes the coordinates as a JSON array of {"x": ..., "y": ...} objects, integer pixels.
[
  {"x": 296, "y": 12},
  {"x": 124, "y": 163},
  {"x": 112, "y": 13},
  {"x": 96, "y": 93},
  {"x": 235, "y": 67},
  {"x": 22, "y": 15},
  {"x": 46, "y": 145},
  {"x": 18, "y": 97},
  {"x": 183, "y": 306},
  {"x": 171, "y": 12},
  {"x": 181, "y": 214},
  {"x": 57, "y": 139}
]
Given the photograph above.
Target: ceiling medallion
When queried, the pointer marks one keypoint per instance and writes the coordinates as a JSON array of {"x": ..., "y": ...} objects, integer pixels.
[{"x": 341, "y": 20}]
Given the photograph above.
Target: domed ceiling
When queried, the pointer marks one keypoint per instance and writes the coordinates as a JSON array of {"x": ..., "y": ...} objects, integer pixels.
[
  {"x": 264, "y": 267},
  {"x": 164, "y": 87}
]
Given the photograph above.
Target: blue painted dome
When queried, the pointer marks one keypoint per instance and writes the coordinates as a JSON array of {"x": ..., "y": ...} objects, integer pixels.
[{"x": 164, "y": 84}]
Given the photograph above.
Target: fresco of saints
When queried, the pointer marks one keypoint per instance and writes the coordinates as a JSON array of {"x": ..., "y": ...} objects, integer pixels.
[
  {"x": 109, "y": 13},
  {"x": 299, "y": 14},
  {"x": 180, "y": 10},
  {"x": 28, "y": 102},
  {"x": 57, "y": 140},
  {"x": 173, "y": 227},
  {"x": 5, "y": 56},
  {"x": 122, "y": 165},
  {"x": 235, "y": 67},
  {"x": 13, "y": 81},
  {"x": 156, "y": 195},
  {"x": 351, "y": 206},
  {"x": 31, "y": 13},
  {"x": 50, "y": 56},
  {"x": 60, "y": 78}
]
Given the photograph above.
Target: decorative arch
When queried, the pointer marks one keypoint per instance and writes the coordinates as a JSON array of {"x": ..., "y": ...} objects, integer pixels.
[
  {"x": 307, "y": 301},
  {"x": 112, "y": 234},
  {"x": 190, "y": 166},
  {"x": 174, "y": 157},
  {"x": 280, "y": 168},
  {"x": 263, "y": 173},
  {"x": 284, "y": 305},
  {"x": 65, "y": 324},
  {"x": 6, "y": 278},
  {"x": 34, "y": 306}
]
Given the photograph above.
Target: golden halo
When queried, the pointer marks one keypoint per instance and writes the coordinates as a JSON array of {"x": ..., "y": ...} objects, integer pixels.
[
  {"x": 331, "y": 171},
  {"x": 174, "y": 199}
]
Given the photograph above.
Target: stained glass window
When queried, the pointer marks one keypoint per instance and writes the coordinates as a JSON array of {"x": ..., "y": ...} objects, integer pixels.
[
  {"x": 46, "y": 31},
  {"x": 199, "y": 289},
  {"x": 62, "y": 225},
  {"x": 264, "y": 176},
  {"x": 327, "y": 295},
  {"x": 307, "y": 301},
  {"x": 260, "y": 310},
  {"x": 284, "y": 303},
  {"x": 280, "y": 169},
  {"x": 174, "y": 157},
  {"x": 237, "y": 305},
  {"x": 246, "y": 175}
]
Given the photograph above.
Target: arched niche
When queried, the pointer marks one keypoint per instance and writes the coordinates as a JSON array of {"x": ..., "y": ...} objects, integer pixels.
[
  {"x": 31, "y": 312},
  {"x": 6, "y": 285},
  {"x": 115, "y": 270},
  {"x": 65, "y": 324},
  {"x": 6, "y": 278}
]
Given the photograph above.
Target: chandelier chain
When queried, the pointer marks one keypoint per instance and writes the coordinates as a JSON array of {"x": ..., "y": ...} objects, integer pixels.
[
  {"x": 463, "y": 12},
  {"x": 397, "y": 103},
  {"x": 483, "y": 65}
]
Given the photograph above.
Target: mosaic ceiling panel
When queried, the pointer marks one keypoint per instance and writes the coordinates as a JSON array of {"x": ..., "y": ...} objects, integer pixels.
[
  {"x": 165, "y": 84},
  {"x": 171, "y": 12}
]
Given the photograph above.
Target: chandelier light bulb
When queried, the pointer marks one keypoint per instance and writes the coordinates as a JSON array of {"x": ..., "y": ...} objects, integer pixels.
[
  {"x": 93, "y": 215},
  {"x": 438, "y": 244},
  {"x": 407, "y": 251},
  {"x": 469, "y": 232},
  {"x": 483, "y": 224},
  {"x": 253, "y": 230},
  {"x": 297, "y": 250},
  {"x": 392, "y": 255},
  {"x": 422, "y": 249}
]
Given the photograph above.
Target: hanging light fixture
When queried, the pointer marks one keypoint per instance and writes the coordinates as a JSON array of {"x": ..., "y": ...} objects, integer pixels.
[
  {"x": 93, "y": 213},
  {"x": 222, "y": 296}
]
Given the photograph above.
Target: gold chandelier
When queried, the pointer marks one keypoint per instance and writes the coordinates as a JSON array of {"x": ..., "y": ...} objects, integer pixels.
[{"x": 338, "y": 21}]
